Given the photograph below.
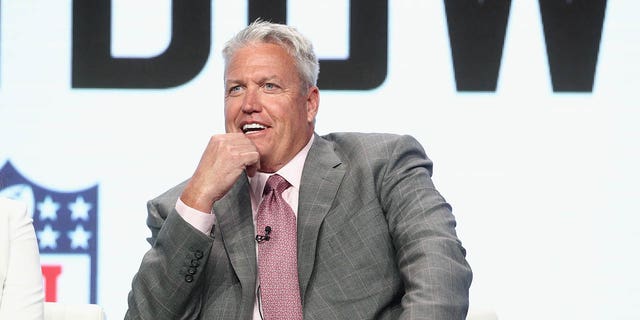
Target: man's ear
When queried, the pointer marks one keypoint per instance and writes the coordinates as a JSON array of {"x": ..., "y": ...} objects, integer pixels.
[{"x": 313, "y": 102}]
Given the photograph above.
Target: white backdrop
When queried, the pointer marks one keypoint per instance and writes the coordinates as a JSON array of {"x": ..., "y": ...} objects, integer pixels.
[{"x": 544, "y": 185}]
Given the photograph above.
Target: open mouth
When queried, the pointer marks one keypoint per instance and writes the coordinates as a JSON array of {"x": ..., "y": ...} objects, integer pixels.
[{"x": 250, "y": 128}]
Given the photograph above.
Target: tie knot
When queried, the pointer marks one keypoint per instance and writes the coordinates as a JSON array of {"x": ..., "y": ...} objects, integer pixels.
[{"x": 277, "y": 183}]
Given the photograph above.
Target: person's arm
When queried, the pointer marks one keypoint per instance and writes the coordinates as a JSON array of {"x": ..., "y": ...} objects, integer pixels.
[
  {"x": 168, "y": 284},
  {"x": 22, "y": 296},
  {"x": 430, "y": 257}
]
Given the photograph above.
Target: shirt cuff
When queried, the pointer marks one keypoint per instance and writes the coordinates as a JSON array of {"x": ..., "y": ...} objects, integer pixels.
[{"x": 200, "y": 220}]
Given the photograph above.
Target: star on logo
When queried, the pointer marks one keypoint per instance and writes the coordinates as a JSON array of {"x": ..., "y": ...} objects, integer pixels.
[
  {"x": 80, "y": 209},
  {"x": 48, "y": 209},
  {"x": 79, "y": 237},
  {"x": 48, "y": 237}
]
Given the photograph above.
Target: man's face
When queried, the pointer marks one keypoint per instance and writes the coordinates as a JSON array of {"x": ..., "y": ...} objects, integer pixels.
[{"x": 265, "y": 99}]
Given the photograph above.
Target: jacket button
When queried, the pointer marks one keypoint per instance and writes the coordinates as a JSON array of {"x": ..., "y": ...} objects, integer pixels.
[
  {"x": 188, "y": 278},
  {"x": 198, "y": 254},
  {"x": 195, "y": 263},
  {"x": 191, "y": 271}
]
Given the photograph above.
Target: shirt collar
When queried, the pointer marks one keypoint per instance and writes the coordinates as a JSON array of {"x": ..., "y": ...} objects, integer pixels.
[{"x": 292, "y": 172}]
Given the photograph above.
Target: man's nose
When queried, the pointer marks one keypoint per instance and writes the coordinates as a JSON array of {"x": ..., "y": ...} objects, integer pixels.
[{"x": 251, "y": 101}]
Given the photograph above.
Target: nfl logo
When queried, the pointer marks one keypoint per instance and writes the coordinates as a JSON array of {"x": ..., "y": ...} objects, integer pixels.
[{"x": 66, "y": 225}]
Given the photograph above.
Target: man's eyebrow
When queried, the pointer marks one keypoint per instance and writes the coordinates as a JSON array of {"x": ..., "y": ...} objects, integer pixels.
[
  {"x": 229, "y": 81},
  {"x": 268, "y": 78},
  {"x": 274, "y": 76}
]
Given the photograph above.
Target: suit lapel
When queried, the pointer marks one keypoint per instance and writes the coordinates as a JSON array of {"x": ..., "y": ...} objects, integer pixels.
[
  {"x": 321, "y": 177},
  {"x": 235, "y": 219}
]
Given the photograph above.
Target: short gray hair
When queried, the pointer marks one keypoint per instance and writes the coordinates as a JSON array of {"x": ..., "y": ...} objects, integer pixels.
[{"x": 298, "y": 46}]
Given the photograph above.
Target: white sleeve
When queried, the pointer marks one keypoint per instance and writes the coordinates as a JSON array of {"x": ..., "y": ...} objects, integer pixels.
[
  {"x": 22, "y": 296},
  {"x": 200, "y": 220}
]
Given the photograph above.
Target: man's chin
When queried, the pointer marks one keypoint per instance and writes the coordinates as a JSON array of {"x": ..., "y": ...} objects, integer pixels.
[{"x": 266, "y": 167}]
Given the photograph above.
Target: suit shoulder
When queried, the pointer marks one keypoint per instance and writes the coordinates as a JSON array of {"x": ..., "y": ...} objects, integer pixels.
[
  {"x": 14, "y": 208},
  {"x": 359, "y": 142}
]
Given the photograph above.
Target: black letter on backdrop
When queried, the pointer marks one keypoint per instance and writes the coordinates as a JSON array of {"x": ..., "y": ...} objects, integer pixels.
[
  {"x": 476, "y": 34},
  {"x": 94, "y": 67},
  {"x": 268, "y": 10},
  {"x": 0, "y": 36},
  {"x": 572, "y": 30},
  {"x": 366, "y": 67}
]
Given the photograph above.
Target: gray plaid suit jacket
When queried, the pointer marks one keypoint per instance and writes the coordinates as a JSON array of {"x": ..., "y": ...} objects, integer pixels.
[{"x": 375, "y": 241}]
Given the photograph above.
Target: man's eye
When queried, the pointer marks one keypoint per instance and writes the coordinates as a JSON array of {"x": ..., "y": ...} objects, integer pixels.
[
  {"x": 234, "y": 89},
  {"x": 270, "y": 86}
]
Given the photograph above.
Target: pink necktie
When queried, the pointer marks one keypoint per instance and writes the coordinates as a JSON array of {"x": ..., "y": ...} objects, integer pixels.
[{"x": 277, "y": 260}]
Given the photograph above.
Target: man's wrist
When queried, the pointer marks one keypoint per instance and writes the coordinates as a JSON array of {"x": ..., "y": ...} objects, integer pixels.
[
  {"x": 201, "y": 220},
  {"x": 196, "y": 200}
]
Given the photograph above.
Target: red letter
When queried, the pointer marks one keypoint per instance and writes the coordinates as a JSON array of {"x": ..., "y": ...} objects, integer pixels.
[{"x": 50, "y": 275}]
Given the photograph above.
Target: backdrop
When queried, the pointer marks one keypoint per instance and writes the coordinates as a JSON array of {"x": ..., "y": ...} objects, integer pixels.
[{"x": 528, "y": 109}]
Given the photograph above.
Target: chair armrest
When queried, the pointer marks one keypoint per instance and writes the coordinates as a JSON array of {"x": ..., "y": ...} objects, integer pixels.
[
  {"x": 481, "y": 314},
  {"x": 68, "y": 311}
]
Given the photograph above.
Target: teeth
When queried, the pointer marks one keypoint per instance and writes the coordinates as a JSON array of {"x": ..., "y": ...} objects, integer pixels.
[{"x": 252, "y": 127}]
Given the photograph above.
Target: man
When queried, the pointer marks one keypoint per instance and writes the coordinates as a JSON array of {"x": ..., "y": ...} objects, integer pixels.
[{"x": 374, "y": 239}]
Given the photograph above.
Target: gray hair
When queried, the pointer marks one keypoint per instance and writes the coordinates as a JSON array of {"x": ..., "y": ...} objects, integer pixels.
[{"x": 298, "y": 46}]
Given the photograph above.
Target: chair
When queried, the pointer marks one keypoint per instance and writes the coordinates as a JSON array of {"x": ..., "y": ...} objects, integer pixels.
[
  {"x": 67, "y": 311},
  {"x": 481, "y": 314}
]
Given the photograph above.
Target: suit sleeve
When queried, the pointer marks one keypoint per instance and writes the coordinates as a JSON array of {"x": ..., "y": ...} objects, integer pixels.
[
  {"x": 22, "y": 295},
  {"x": 169, "y": 283},
  {"x": 430, "y": 257}
]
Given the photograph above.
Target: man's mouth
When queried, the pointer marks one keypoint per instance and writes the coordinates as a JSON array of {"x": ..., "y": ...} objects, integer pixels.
[{"x": 250, "y": 128}]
